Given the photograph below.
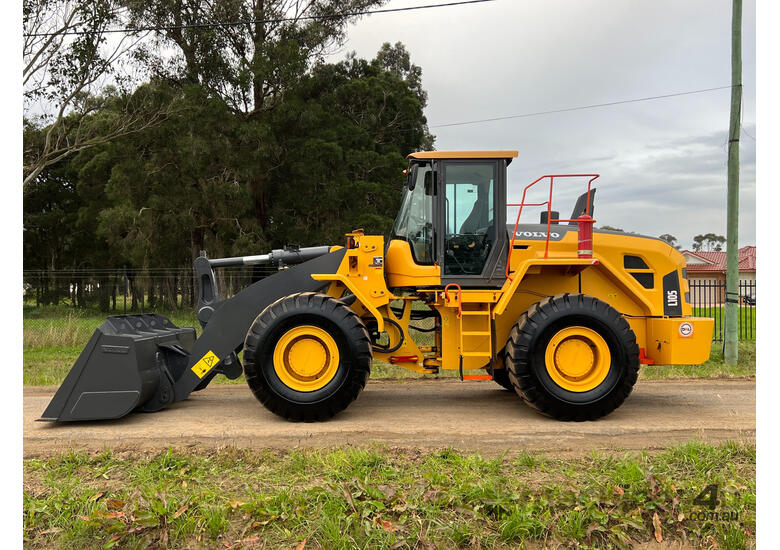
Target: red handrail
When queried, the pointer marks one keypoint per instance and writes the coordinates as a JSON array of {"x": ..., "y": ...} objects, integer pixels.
[
  {"x": 460, "y": 296},
  {"x": 548, "y": 202}
]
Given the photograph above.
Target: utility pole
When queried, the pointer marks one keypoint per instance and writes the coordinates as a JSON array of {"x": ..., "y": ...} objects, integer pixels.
[{"x": 730, "y": 349}]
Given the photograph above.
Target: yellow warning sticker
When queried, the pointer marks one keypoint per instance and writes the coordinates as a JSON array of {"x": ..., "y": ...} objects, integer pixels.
[{"x": 206, "y": 363}]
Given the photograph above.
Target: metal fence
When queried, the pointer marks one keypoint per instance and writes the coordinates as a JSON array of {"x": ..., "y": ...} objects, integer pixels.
[
  {"x": 708, "y": 298},
  {"x": 63, "y": 307},
  {"x": 128, "y": 290}
]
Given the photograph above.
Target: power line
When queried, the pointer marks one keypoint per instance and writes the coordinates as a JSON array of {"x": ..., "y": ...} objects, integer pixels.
[
  {"x": 264, "y": 21},
  {"x": 568, "y": 109},
  {"x": 742, "y": 117}
]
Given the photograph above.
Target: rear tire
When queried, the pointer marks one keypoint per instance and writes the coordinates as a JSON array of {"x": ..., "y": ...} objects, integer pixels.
[
  {"x": 572, "y": 357},
  {"x": 501, "y": 376},
  {"x": 285, "y": 346}
]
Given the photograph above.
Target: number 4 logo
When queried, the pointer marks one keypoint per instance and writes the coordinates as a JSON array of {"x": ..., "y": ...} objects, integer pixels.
[{"x": 708, "y": 497}]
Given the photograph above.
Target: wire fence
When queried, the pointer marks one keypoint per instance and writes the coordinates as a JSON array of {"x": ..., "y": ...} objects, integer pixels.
[
  {"x": 64, "y": 307},
  {"x": 708, "y": 299},
  {"x": 129, "y": 290}
]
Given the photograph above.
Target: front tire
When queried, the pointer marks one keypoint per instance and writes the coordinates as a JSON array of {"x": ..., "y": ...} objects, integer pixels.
[
  {"x": 572, "y": 357},
  {"x": 307, "y": 357}
]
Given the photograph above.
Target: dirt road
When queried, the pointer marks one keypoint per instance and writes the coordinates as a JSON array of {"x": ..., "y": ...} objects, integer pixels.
[{"x": 428, "y": 414}]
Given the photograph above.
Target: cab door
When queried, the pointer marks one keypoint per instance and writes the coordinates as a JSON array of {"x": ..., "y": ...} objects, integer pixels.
[
  {"x": 411, "y": 254},
  {"x": 472, "y": 209}
]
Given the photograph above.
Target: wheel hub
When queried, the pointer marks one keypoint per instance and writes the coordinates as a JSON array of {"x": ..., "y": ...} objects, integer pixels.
[
  {"x": 577, "y": 359},
  {"x": 306, "y": 358}
]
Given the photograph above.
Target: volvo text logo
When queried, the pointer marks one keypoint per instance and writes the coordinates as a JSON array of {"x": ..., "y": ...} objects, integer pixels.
[{"x": 537, "y": 234}]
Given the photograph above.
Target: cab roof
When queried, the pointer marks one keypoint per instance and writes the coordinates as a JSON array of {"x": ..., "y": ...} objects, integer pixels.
[{"x": 509, "y": 155}]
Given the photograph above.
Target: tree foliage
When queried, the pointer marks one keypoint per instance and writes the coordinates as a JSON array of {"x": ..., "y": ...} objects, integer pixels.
[
  {"x": 329, "y": 155},
  {"x": 232, "y": 138},
  {"x": 69, "y": 78},
  {"x": 671, "y": 239},
  {"x": 708, "y": 242},
  {"x": 251, "y": 65}
]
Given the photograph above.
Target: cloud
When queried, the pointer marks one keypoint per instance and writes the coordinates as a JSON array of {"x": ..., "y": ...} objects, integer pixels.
[{"x": 663, "y": 162}]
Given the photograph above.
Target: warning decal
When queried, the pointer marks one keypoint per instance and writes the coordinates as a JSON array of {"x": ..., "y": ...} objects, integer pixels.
[{"x": 206, "y": 363}]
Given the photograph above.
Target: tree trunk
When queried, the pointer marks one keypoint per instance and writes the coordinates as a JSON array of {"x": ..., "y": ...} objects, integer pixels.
[
  {"x": 196, "y": 242},
  {"x": 152, "y": 299},
  {"x": 257, "y": 185},
  {"x": 133, "y": 295},
  {"x": 80, "y": 293}
]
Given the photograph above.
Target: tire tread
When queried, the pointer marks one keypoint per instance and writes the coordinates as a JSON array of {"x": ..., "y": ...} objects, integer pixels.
[
  {"x": 354, "y": 331},
  {"x": 519, "y": 356}
]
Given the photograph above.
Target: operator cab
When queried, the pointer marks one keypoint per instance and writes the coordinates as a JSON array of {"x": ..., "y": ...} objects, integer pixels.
[{"x": 451, "y": 227}]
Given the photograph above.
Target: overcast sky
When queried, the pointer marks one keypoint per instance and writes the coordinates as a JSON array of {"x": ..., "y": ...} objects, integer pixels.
[{"x": 662, "y": 162}]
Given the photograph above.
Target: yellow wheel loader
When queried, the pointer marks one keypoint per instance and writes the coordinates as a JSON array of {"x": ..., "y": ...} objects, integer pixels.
[{"x": 557, "y": 311}]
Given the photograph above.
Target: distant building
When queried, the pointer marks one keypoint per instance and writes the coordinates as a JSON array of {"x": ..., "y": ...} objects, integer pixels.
[{"x": 711, "y": 267}]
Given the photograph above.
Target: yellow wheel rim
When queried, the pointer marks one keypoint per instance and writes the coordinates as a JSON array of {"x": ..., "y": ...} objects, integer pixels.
[
  {"x": 306, "y": 358},
  {"x": 577, "y": 359}
]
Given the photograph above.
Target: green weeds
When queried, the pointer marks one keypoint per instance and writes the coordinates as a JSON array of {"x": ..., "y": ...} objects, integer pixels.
[
  {"x": 380, "y": 498},
  {"x": 714, "y": 367}
]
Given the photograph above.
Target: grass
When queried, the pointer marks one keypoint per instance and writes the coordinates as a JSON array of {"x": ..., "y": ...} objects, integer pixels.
[
  {"x": 55, "y": 336},
  {"x": 714, "y": 367},
  {"x": 746, "y": 319},
  {"x": 747, "y": 314},
  {"x": 388, "y": 498}
]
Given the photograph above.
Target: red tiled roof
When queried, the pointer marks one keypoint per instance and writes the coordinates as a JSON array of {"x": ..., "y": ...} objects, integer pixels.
[{"x": 747, "y": 260}]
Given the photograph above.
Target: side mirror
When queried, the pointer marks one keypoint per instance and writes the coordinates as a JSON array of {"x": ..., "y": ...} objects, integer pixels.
[
  {"x": 430, "y": 183},
  {"x": 411, "y": 178}
]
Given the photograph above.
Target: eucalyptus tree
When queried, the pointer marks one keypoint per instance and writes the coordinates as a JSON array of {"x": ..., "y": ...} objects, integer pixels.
[
  {"x": 71, "y": 69},
  {"x": 251, "y": 54}
]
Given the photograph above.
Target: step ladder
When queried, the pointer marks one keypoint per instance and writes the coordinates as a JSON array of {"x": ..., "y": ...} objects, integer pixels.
[{"x": 484, "y": 313}]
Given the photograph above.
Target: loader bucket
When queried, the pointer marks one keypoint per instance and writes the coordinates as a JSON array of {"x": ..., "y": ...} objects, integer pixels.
[
  {"x": 131, "y": 362},
  {"x": 145, "y": 362}
]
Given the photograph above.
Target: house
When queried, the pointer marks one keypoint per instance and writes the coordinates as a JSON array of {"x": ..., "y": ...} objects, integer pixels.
[{"x": 707, "y": 274}]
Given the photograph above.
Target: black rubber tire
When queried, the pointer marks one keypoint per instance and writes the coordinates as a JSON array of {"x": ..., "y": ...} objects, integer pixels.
[
  {"x": 526, "y": 364},
  {"x": 346, "y": 328},
  {"x": 501, "y": 377}
]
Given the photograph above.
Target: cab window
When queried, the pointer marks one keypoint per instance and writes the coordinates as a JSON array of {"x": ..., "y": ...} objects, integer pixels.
[
  {"x": 414, "y": 223},
  {"x": 470, "y": 220}
]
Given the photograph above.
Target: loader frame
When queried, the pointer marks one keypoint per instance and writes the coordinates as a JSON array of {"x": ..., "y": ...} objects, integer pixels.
[{"x": 145, "y": 362}]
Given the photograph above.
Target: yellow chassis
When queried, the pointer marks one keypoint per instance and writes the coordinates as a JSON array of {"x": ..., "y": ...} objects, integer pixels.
[{"x": 475, "y": 324}]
